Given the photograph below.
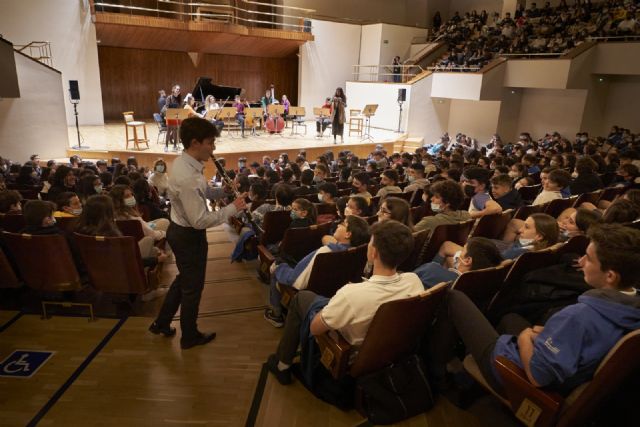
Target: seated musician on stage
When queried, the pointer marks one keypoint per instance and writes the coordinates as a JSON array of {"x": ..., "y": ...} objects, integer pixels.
[
  {"x": 352, "y": 232},
  {"x": 323, "y": 122},
  {"x": 286, "y": 104},
  {"x": 211, "y": 104},
  {"x": 240, "y": 116},
  {"x": 189, "y": 103},
  {"x": 567, "y": 350},
  {"x": 389, "y": 180},
  {"x": 265, "y": 101},
  {"x": 353, "y": 307}
]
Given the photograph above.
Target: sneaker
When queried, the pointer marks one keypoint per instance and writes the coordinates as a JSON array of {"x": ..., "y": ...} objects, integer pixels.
[
  {"x": 201, "y": 339},
  {"x": 167, "y": 331},
  {"x": 275, "y": 320},
  {"x": 283, "y": 377}
]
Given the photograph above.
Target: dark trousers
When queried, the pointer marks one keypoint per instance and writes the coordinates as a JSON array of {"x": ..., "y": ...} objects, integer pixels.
[
  {"x": 298, "y": 308},
  {"x": 461, "y": 319},
  {"x": 190, "y": 248}
]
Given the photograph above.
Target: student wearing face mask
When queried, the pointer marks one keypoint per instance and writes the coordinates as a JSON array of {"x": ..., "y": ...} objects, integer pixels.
[
  {"x": 416, "y": 177},
  {"x": 303, "y": 214},
  {"x": 159, "y": 178},
  {"x": 476, "y": 185},
  {"x": 477, "y": 253},
  {"x": 39, "y": 219},
  {"x": 446, "y": 199},
  {"x": 68, "y": 204},
  {"x": 327, "y": 194},
  {"x": 577, "y": 223},
  {"x": 538, "y": 232}
]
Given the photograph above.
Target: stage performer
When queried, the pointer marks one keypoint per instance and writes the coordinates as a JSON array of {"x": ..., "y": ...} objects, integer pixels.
[
  {"x": 323, "y": 122},
  {"x": 338, "y": 104},
  {"x": 173, "y": 101},
  {"x": 211, "y": 104},
  {"x": 240, "y": 115},
  {"x": 187, "y": 233}
]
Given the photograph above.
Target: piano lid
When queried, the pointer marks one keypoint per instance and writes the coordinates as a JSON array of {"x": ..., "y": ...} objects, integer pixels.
[{"x": 204, "y": 88}]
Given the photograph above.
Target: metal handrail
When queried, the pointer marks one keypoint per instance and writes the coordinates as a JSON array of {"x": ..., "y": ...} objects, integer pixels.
[
  {"x": 43, "y": 51},
  {"x": 613, "y": 38},
  {"x": 375, "y": 71},
  {"x": 454, "y": 68},
  {"x": 232, "y": 10}
]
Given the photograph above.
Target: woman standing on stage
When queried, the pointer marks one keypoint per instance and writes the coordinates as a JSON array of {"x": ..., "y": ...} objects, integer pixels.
[{"x": 337, "y": 114}]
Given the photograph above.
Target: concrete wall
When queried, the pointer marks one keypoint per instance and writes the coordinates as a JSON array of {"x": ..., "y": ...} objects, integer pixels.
[
  {"x": 478, "y": 119},
  {"x": 537, "y": 73},
  {"x": 547, "y": 110},
  {"x": 385, "y": 95},
  {"x": 34, "y": 123},
  {"x": 327, "y": 62},
  {"x": 622, "y": 103},
  {"x": 396, "y": 40},
  {"x": 67, "y": 25},
  {"x": 428, "y": 117},
  {"x": 457, "y": 85},
  {"x": 370, "y": 38}
]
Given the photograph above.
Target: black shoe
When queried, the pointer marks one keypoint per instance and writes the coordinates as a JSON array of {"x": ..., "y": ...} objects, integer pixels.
[
  {"x": 167, "y": 331},
  {"x": 201, "y": 339},
  {"x": 283, "y": 377}
]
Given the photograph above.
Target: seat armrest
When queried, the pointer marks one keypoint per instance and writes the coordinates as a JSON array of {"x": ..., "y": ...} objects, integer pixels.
[
  {"x": 532, "y": 405},
  {"x": 334, "y": 353},
  {"x": 265, "y": 256}
]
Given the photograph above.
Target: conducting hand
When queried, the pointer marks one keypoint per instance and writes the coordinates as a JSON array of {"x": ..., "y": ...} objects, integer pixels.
[{"x": 239, "y": 202}]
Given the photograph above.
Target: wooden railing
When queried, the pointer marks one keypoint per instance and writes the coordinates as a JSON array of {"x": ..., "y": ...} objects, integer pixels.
[{"x": 40, "y": 51}]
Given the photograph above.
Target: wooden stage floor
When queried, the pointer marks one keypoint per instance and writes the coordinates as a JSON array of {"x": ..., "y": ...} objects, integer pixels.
[{"x": 114, "y": 372}]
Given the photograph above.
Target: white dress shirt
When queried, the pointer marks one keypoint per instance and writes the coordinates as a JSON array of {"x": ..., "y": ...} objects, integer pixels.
[{"x": 188, "y": 194}]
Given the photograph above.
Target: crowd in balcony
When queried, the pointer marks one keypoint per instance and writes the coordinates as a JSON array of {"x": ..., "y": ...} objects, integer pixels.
[{"x": 474, "y": 38}]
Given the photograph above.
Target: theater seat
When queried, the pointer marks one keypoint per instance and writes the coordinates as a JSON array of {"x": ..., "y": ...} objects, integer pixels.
[
  {"x": 456, "y": 233},
  {"x": 8, "y": 278},
  {"x": 482, "y": 285},
  {"x": 492, "y": 226}
]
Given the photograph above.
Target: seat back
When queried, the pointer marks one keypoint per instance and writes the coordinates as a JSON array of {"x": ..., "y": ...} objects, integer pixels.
[
  {"x": 274, "y": 225},
  {"x": 405, "y": 196},
  {"x": 456, "y": 233},
  {"x": 299, "y": 242},
  {"x": 131, "y": 227},
  {"x": 113, "y": 263},
  {"x": 417, "y": 213},
  {"x": 529, "y": 192},
  {"x": 492, "y": 226},
  {"x": 523, "y": 212},
  {"x": 8, "y": 278},
  {"x": 557, "y": 206},
  {"x": 416, "y": 198},
  {"x": 12, "y": 223},
  {"x": 67, "y": 223},
  {"x": 610, "y": 193},
  {"x": 325, "y": 208},
  {"x": 396, "y": 329},
  {"x": 482, "y": 285},
  {"x": 592, "y": 198},
  {"x": 128, "y": 116},
  {"x": 621, "y": 362},
  {"x": 333, "y": 270},
  {"x": 419, "y": 238},
  {"x": 44, "y": 262},
  {"x": 575, "y": 245},
  {"x": 158, "y": 119}
]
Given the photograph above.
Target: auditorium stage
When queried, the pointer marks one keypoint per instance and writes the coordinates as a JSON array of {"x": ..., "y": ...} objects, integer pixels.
[{"x": 108, "y": 141}]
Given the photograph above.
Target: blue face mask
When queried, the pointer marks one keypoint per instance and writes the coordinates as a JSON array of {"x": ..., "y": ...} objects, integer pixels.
[{"x": 294, "y": 215}]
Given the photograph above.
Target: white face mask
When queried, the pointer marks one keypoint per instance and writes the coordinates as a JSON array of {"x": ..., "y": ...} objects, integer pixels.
[
  {"x": 435, "y": 207},
  {"x": 347, "y": 211},
  {"x": 76, "y": 212},
  {"x": 456, "y": 260},
  {"x": 98, "y": 189},
  {"x": 574, "y": 175},
  {"x": 320, "y": 197},
  {"x": 130, "y": 201},
  {"x": 160, "y": 168},
  {"x": 525, "y": 242}
]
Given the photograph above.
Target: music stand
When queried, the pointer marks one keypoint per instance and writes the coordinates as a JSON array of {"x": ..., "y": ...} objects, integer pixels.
[
  {"x": 228, "y": 116},
  {"x": 368, "y": 112},
  {"x": 212, "y": 114},
  {"x": 177, "y": 114},
  {"x": 251, "y": 116},
  {"x": 298, "y": 114}
]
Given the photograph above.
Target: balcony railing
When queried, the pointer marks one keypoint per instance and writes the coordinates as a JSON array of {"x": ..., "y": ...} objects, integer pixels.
[
  {"x": 384, "y": 73},
  {"x": 241, "y": 12},
  {"x": 40, "y": 51}
]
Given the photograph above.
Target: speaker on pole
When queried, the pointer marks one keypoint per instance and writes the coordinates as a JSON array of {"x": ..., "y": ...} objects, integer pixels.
[
  {"x": 402, "y": 95},
  {"x": 74, "y": 91}
]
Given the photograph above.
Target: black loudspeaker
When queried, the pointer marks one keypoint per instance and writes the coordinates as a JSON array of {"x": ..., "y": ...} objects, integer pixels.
[
  {"x": 402, "y": 95},
  {"x": 74, "y": 91}
]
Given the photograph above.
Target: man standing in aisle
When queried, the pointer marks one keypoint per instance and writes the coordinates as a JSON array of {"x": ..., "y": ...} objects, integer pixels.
[{"x": 190, "y": 218}]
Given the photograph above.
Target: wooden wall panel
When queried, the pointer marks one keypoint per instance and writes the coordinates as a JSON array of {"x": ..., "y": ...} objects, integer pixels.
[{"x": 131, "y": 78}]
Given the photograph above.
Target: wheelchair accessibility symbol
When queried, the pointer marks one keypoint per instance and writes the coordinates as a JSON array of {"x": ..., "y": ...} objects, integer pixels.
[{"x": 23, "y": 363}]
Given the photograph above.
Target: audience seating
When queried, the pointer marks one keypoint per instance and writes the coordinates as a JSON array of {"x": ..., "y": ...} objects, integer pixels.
[
  {"x": 557, "y": 206},
  {"x": 417, "y": 213},
  {"x": 131, "y": 227},
  {"x": 52, "y": 270},
  {"x": 610, "y": 193},
  {"x": 456, "y": 233},
  {"x": 529, "y": 192},
  {"x": 325, "y": 208},
  {"x": 12, "y": 223},
  {"x": 523, "y": 212},
  {"x": 67, "y": 223},
  {"x": 482, "y": 285},
  {"x": 592, "y": 198},
  {"x": 536, "y": 406},
  {"x": 274, "y": 225},
  {"x": 405, "y": 196},
  {"x": 8, "y": 278},
  {"x": 419, "y": 239},
  {"x": 394, "y": 333},
  {"x": 331, "y": 271},
  {"x": 114, "y": 264},
  {"x": 416, "y": 199},
  {"x": 492, "y": 226}
]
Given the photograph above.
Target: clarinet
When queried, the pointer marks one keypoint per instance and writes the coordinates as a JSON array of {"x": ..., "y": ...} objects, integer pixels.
[{"x": 229, "y": 182}]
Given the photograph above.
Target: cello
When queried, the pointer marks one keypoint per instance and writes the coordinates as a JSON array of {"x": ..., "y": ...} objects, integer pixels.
[{"x": 275, "y": 122}]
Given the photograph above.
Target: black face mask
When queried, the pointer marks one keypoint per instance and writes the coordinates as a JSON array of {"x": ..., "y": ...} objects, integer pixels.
[{"x": 469, "y": 190}]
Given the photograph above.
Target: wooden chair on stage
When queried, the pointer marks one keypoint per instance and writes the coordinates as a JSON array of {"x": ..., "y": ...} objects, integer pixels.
[
  {"x": 129, "y": 122},
  {"x": 356, "y": 122}
]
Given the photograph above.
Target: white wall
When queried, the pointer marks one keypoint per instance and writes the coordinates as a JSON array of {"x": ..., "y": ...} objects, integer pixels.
[
  {"x": 67, "y": 25},
  {"x": 622, "y": 103},
  {"x": 327, "y": 62},
  {"x": 548, "y": 110},
  {"x": 385, "y": 95},
  {"x": 370, "y": 38},
  {"x": 398, "y": 41},
  {"x": 457, "y": 85},
  {"x": 477, "y": 119},
  {"x": 34, "y": 123},
  {"x": 428, "y": 117}
]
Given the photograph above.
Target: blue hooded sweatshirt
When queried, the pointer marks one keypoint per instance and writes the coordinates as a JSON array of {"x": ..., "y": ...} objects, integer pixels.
[{"x": 576, "y": 339}]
